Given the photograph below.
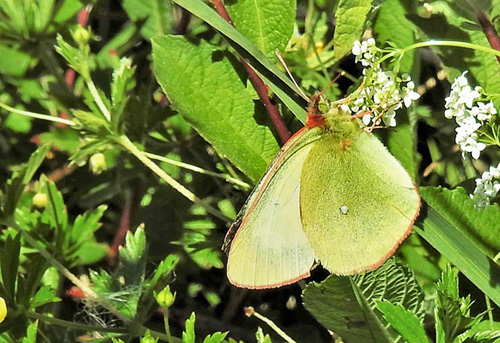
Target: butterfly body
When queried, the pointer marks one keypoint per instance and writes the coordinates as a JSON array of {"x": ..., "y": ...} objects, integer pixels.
[{"x": 333, "y": 195}]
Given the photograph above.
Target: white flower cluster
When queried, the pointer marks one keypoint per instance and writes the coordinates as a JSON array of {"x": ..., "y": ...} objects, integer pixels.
[
  {"x": 469, "y": 114},
  {"x": 487, "y": 187},
  {"x": 382, "y": 92}
]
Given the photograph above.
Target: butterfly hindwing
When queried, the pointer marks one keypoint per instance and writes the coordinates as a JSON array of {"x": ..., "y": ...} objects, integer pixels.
[{"x": 357, "y": 202}]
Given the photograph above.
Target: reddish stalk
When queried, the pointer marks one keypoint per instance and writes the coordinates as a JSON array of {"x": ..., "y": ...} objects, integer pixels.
[
  {"x": 260, "y": 87},
  {"x": 489, "y": 30}
]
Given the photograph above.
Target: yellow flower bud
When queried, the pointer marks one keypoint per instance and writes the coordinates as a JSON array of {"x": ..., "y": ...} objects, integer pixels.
[
  {"x": 98, "y": 163},
  {"x": 81, "y": 35},
  {"x": 165, "y": 298},
  {"x": 40, "y": 200}
]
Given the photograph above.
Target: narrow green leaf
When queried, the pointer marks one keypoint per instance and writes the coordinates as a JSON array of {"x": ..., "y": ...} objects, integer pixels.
[
  {"x": 462, "y": 252},
  {"x": 55, "y": 212},
  {"x": 202, "y": 83},
  {"x": 9, "y": 262},
  {"x": 404, "y": 321},
  {"x": 20, "y": 178},
  {"x": 350, "y": 18},
  {"x": 480, "y": 226},
  {"x": 266, "y": 23}
]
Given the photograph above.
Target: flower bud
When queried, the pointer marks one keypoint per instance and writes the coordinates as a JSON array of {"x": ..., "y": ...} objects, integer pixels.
[
  {"x": 165, "y": 298},
  {"x": 81, "y": 35},
  {"x": 40, "y": 200},
  {"x": 98, "y": 163}
]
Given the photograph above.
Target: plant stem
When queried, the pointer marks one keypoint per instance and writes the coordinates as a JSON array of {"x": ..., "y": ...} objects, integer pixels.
[
  {"x": 64, "y": 271},
  {"x": 456, "y": 44},
  {"x": 197, "y": 169},
  {"x": 73, "y": 325},
  {"x": 37, "y": 115},
  {"x": 141, "y": 156},
  {"x": 250, "y": 311},
  {"x": 98, "y": 100},
  {"x": 167, "y": 326}
]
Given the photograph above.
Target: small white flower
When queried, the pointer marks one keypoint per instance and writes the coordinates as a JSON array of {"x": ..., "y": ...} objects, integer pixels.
[{"x": 487, "y": 187}]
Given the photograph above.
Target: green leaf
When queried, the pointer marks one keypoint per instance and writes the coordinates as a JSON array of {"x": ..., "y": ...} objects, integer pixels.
[
  {"x": 44, "y": 295},
  {"x": 133, "y": 257},
  {"x": 452, "y": 313},
  {"x": 20, "y": 178},
  {"x": 156, "y": 15},
  {"x": 393, "y": 26},
  {"x": 67, "y": 10},
  {"x": 9, "y": 261},
  {"x": 188, "y": 335},
  {"x": 266, "y": 23},
  {"x": 78, "y": 58},
  {"x": 64, "y": 139},
  {"x": 350, "y": 18},
  {"x": 14, "y": 61},
  {"x": 55, "y": 212},
  {"x": 447, "y": 23},
  {"x": 261, "y": 338},
  {"x": 85, "y": 225},
  {"x": 480, "y": 226},
  {"x": 164, "y": 269},
  {"x": 347, "y": 305},
  {"x": 122, "y": 83},
  {"x": 484, "y": 337},
  {"x": 404, "y": 322},
  {"x": 279, "y": 82},
  {"x": 462, "y": 252},
  {"x": 89, "y": 121},
  {"x": 217, "y": 337},
  {"x": 206, "y": 89},
  {"x": 31, "y": 333}
]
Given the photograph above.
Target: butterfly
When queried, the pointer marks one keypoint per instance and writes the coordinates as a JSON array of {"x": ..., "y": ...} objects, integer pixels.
[{"x": 333, "y": 195}]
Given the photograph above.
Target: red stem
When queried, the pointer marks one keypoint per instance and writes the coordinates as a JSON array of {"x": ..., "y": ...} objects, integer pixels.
[
  {"x": 258, "y": 84},
  {"x": 489, "y": 30}
]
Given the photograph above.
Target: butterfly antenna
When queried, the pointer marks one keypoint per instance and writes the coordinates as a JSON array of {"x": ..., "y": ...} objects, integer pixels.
[
  {"x": 282, "y": 60},
  {"x": 339, "y": 75}
]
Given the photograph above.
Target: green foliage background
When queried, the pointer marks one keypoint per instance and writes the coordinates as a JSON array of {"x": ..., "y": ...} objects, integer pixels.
[{"x": 159, "y": 92}]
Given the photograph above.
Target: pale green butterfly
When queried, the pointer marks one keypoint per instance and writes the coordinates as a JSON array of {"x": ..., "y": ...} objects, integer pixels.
[{"x": 333, "y": 194}]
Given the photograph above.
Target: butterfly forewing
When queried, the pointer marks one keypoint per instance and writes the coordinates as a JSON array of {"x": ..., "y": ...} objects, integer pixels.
[{"x": 270, "y": 248}]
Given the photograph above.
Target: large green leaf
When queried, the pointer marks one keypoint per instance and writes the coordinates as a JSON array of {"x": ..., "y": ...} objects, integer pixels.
[
  {"x": 393, "y": 26},
  {"x": 279, "y": 83},
  {"x": 266, "y": 23},
  {"x": 350, "y": 18},
  {"x": 202, "y": 83},
  {"x": 347, "y": 305}
]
